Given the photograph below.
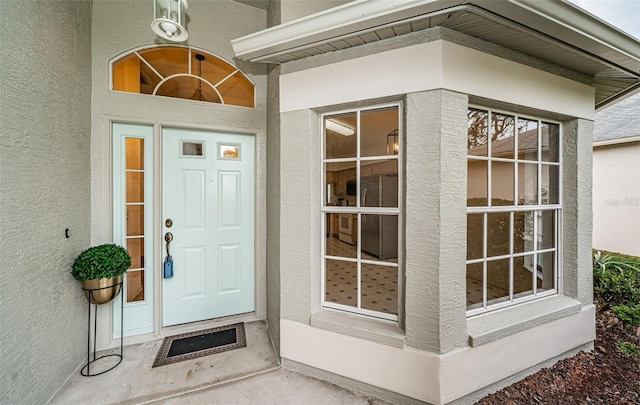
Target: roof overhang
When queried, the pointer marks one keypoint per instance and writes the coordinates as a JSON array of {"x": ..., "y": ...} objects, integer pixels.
[{"x": 552, "y": 30}]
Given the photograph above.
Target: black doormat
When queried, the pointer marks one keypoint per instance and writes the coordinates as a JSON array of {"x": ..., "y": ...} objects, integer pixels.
[{"x": 202, "y": 343}]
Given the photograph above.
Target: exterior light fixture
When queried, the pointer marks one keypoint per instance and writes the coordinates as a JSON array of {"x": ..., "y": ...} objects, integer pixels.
[
  {"x": 392, "y": 142},
  {"x": 169, "y": 20},
  {"x": 339, "y": 128}
]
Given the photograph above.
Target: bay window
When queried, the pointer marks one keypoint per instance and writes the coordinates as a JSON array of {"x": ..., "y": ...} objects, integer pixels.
[
  {"x": 513, "y": 209},
  {"x": 361, "y": 209}
]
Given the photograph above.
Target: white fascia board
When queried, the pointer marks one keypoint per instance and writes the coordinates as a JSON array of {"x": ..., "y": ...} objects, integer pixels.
[
  {"x": 334, "y": 22},
  {"x": 556, "y": 19},
  {"x": 570, "y": 24},
  {"x": 617, "y": 141}
]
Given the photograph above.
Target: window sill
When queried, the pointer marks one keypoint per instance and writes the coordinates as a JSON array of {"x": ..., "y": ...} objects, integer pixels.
[
  {"x": 492, "y": 326},
  {"x": 379, "y": 331}
]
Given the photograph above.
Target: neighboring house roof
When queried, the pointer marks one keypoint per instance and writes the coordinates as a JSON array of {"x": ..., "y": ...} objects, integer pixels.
[
  {"x": 555, "y": 31},
  {"x": 527, "y": 142},
  {"x": 621, "y": 120}
]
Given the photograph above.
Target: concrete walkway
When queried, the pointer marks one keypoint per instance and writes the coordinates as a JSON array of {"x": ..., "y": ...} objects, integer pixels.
[{"x": 249, "y": 375}]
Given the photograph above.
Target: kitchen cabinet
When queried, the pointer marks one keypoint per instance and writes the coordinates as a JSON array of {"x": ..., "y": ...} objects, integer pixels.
[
  {"x": 351, "y": 174},
  {"x": 333, "y": 224},
  {"x": 387, "y": 167},
  {"x": 366, "y": 171},
  {"x": 331, "y": 177},
  {"x": 341, "y": 182}
]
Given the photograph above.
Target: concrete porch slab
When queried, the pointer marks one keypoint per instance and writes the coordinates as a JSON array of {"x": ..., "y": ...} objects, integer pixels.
[{"x": 134, "y": 381}]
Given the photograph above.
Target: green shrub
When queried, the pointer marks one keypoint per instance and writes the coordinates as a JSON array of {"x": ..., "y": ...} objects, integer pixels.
[
  {"x": 616, "y": 280},
  {"x": 628, "y": 348},
  {"x": 102, "y": 261},
  {"x": 629, "y": 314}
]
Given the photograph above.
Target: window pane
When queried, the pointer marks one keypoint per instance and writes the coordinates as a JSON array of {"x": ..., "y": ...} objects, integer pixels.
[
  {"x": 523, "y": 273},
  {"x": 474, "y": 285},
  {"x": 475, "y": 232},
  {"x": 477, "y": 134},
  {"x": 192, "y": 149},
  {"x": 527, "y": 139},
  {"x": 550, "y": 142},
  {"x": 135, "y": 286},
  {"x": 379, "y": 288},
  {"x": 337, "y": 245},
  {"x": 477, "y": 183},
  {"x": 379, "y": 191},
  {"x": 502, "y": 183},
  {"x": 378, "y": 132},
  {"x": 237, "y": 90},
  {"x": 550, "y": 184},
  {"x": 341, "y": 284},
  {"x": 370, "y": 168},
  {"x": 188, "y": 88},
  {"x": 502, "y": 133},
  {"x": 343, "y": 177},
  {"x": 135, "y": 220},
  {"x": 498, "y": 234},
  {"x": 527, "y": 184},
  {"x": 546, "y": 271},
  {"x": 379, "y": 237},
  {"x": 135, "y": 187},
  {"x": 167, "y": 60},
  {"x": 340, "y": 136},
  {"x": 523, "y": 232},
  {"x": 546, "y": 230},
  {"x": 126, "y": 74},
  {"x": 135, "y": 154},
  {"x": 497, "y": 281},
  {"x": 135, "y": 248}
]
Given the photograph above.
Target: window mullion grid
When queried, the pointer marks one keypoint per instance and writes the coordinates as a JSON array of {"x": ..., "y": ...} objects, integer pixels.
[
  {"x": 485, "y": 218},
  {"x": 535, "y": 252},
  {"x": 511, "y": 242},
  {"x": 489, "y": 163},
  {"x": 358, "y": 250},
  {"x": 516, "y": 158}
]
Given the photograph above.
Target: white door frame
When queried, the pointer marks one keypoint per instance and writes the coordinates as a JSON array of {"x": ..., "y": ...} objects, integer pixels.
[{"x": 259, "y": 234}]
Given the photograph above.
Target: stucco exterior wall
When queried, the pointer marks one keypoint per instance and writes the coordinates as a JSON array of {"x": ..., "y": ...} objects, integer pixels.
[
  {"x": 273, "y": 188},
  {"x": 120, "y": 27},
  {"x": 616, "y": 198},
  {"x": 45, "y": 103},
  {"x": 294, "y": 9}
]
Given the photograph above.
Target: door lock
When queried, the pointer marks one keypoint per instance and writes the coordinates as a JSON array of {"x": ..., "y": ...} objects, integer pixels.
[{"x": 168, "y": 223}]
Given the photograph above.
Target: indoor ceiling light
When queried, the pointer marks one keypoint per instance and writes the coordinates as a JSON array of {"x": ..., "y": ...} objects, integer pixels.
[
  {"x": 339, "y": 128},
  {"x": 169, "y": 19}
]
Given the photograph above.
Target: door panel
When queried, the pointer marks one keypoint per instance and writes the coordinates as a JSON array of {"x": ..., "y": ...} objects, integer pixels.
[{"x": 209, "y": 196}]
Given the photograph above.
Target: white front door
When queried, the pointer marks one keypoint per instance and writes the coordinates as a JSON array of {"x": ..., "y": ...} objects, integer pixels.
[{"x": 208, "y": 201}]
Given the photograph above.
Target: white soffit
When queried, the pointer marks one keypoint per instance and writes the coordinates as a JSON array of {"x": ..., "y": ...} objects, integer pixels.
[{"x": 552, "y": 30}]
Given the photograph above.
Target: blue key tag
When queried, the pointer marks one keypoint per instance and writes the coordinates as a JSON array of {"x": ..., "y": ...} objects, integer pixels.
[{"x": 168, "y": 266}]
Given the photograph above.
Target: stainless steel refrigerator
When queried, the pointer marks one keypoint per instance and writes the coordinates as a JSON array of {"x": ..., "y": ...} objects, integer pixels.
[{"x": 379, "y": 233}]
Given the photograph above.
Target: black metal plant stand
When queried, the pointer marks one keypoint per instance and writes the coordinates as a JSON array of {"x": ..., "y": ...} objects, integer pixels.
[{"x": 95, "y": 329}]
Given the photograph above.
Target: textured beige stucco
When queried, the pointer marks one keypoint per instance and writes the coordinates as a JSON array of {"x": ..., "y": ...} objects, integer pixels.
[
  {"x": 273, "y": 189},
  {"x": 435, "y": 220},
  {"x": 119, "y": 27},
  {"x": 294, "y": 9},
  {"x": 45, "y": 103},
  {"x": 577, "y": 213}
]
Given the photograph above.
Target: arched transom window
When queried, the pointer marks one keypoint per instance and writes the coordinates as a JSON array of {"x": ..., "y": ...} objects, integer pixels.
[{"x": 182, "y": 72}]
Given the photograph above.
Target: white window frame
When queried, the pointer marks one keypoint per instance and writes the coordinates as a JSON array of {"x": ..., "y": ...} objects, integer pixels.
[
  {"x": 512, "y": 209},
  {"x": 359, "y": 211}
]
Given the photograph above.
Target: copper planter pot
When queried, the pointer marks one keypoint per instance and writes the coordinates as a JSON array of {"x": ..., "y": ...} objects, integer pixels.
[{"x": 103, "y": 290}]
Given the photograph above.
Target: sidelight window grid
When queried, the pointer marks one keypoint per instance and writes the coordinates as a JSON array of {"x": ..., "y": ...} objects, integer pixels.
[
  {"x": 360, "y": 213},
  {"x": 547, "y": 206}
]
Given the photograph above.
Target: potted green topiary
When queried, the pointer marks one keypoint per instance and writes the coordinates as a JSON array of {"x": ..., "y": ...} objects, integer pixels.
[{"x": 101, "y": 268}]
